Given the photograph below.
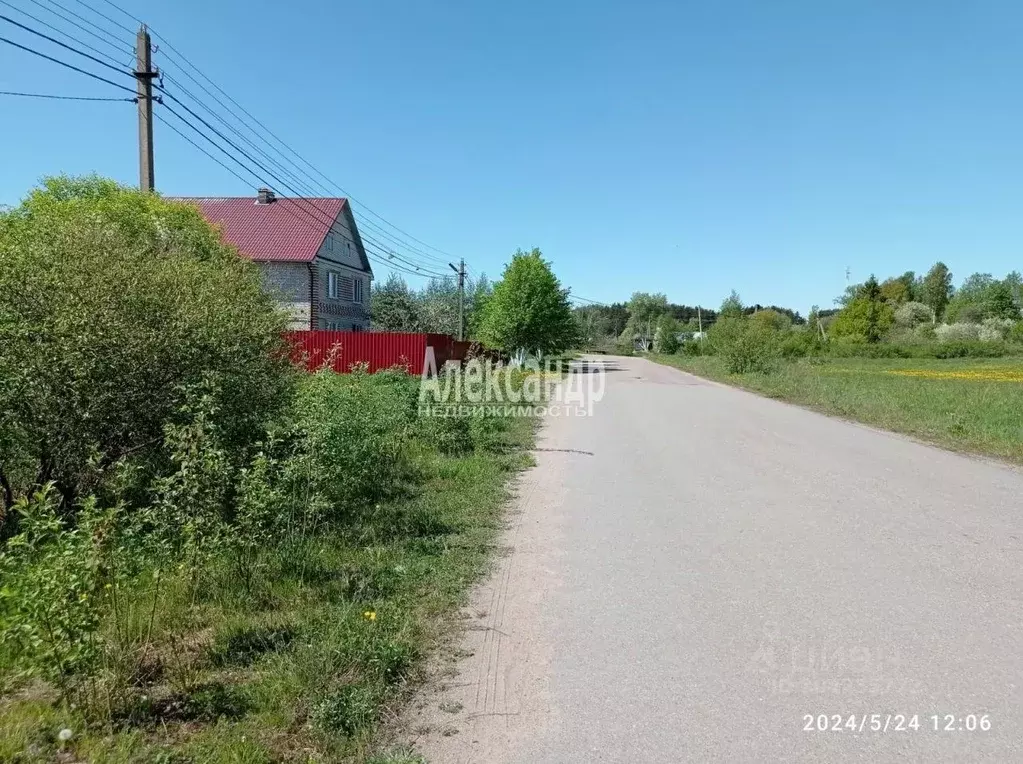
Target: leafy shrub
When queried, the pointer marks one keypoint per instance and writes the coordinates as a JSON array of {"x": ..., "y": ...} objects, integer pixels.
[
  {"x": 355, "y": 429},
  {"x": 995, "y": 329},
  {"x": 666, "y": 336},
  {"x": 52, "y": 595},
  {"x": 912, "y": 314},
  {"x": 964, "y": 349},
  {"x": 800, "y": 343},
  {"x": 967, "y": 349},
  {"x": 960, "y": 332},
  {"x": 772, "y": 319},
  {"x": 1016, "y": 333},
  {"x": 113, "y": 302},
  {"x": 697, "y": 347},
  {"x": 744, "y": 345},
  {"x": 924, "y": 332}
]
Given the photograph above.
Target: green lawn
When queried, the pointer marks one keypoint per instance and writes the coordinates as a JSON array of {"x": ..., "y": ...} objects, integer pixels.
[{"x": 973, "y": 405}]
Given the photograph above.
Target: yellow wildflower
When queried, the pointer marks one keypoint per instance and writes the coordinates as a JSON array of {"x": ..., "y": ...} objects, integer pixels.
[{"x": 370, "y": 615}]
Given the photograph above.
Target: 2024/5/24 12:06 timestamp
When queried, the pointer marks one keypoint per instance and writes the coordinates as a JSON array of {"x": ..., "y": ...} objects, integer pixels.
[{"x": 896, "y": 722}]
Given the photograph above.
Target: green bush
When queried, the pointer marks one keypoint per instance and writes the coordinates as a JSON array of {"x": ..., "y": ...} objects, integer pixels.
[
  {"x": 666, "y": 336},
  {"x": 52, "y": 595},
  {"x": 113, "y": 303},
  {"x": 800, "y": 343},
  {"x": 697, "y": 346},
  {"x": 1016, "y": 332},
  {"x": 958, "y": 332},
  {"x": 961, "y": 349},
  {"x": 355, "y": 431},
  {"x": 745, "y": 346}
]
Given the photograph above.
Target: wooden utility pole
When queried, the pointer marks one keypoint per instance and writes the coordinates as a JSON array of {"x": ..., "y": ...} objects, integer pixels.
[
  {"x": 460, "y": 270},
  {"x": 144, "y": 75}
]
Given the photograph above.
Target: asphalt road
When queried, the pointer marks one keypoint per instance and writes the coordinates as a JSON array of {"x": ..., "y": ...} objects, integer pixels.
[{"x": 694, "y": 570}]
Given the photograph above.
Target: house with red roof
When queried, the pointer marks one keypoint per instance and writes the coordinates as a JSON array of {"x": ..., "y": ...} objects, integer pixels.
[{"x": 309, "y": 251}]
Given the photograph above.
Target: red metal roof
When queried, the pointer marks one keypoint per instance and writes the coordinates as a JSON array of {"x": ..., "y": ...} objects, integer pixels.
[{"x": 285, "y": 230}]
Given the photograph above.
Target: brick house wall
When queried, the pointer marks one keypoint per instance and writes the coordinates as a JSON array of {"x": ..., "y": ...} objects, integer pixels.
[
  {"x": 338, "y": 256},
  {"x": 288, "y": 283}
]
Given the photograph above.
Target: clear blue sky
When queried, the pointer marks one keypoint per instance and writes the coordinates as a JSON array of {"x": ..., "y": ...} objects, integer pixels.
[{"x": 683, "y": 147}]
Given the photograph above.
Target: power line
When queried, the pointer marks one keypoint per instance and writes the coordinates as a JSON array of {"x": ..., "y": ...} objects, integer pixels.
[
  {"x": 58, "y": 30},
  {"x": 103, "y": 15},
  {"x": 169, "y": 48},
  {"x": 294, "y": 153},
  {"x": 390, "y": 256},
  {"x": 63, "y": 97},
  {"x": 296, "y": 202},
  {"x": 293, "y": 171},
  {"x": 64, "y": 45},
  {"x": 294, "y": 175},
  {"x": 119, "y": 42},
  {"x": 64, "y": 63},
  {"x": 295, "y": 194},
  {"x": 197, "y": 146},
  {"x": 115, "y": 5}
]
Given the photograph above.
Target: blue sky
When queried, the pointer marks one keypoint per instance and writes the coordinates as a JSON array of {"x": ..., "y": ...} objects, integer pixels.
[{"x": 683, "y": 147}]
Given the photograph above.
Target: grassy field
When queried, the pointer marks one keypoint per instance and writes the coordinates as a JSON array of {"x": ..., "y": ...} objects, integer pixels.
[
  {"x": 973, "y": 405},
  {"x": 326, "y": 644}
]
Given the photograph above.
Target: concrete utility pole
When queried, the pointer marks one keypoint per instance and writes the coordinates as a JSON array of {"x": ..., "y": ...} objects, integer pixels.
[
  {"x": 460, "y": 270},
  {"x": 144, "y": 74}
]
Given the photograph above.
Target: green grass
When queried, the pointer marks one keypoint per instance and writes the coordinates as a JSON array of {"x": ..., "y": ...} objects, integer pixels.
[
  {"x": 975, "y": 414},
  {"x": 303, "y": 668}
]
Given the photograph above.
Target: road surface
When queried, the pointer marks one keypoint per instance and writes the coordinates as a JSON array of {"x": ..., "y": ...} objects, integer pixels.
[{"x": 694, "y": 571}]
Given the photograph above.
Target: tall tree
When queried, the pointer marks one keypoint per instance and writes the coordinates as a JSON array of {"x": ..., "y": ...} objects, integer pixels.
[
  {"x": 394, "y": 307},
  {"x": 999, "y": 302},
  {"x": 732, "y": 306},
  {"x": 438, "y": 306},
  {"x": 867, "y": 317},
  {"x": 936, "y": 289},
  {"x": 1014, "y": 281},
  {"x": 896, "y": 290},
  {"x": 529, "y": 309},
  {"x": 645, "y": 310}
]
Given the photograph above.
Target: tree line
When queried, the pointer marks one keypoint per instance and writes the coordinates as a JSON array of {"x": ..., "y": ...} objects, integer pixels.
[{"x": 909, "y": 307}]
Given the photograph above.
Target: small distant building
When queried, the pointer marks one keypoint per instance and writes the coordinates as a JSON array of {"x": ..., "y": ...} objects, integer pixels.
[{"x": 309, "y": 251}]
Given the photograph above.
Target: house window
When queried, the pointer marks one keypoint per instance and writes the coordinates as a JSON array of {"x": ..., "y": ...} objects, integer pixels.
[
  {"x": 332, "y": 285},
  {"x": 347, "y": 288},
  {"x": 358, "y": 290}
]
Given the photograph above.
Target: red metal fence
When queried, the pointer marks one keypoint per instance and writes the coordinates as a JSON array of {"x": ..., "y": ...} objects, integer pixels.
[{"x": 380, "y": 350}]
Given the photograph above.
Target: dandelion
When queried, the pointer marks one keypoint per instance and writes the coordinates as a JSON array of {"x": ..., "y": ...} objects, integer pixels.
[
  {"x": 370, "y": 615},
  {"x": 992, "y": 374},
  {"x": 64, "y": 735}
]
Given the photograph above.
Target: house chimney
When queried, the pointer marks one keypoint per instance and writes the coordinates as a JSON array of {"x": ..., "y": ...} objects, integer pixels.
[{"x": 265, "y": 196}]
